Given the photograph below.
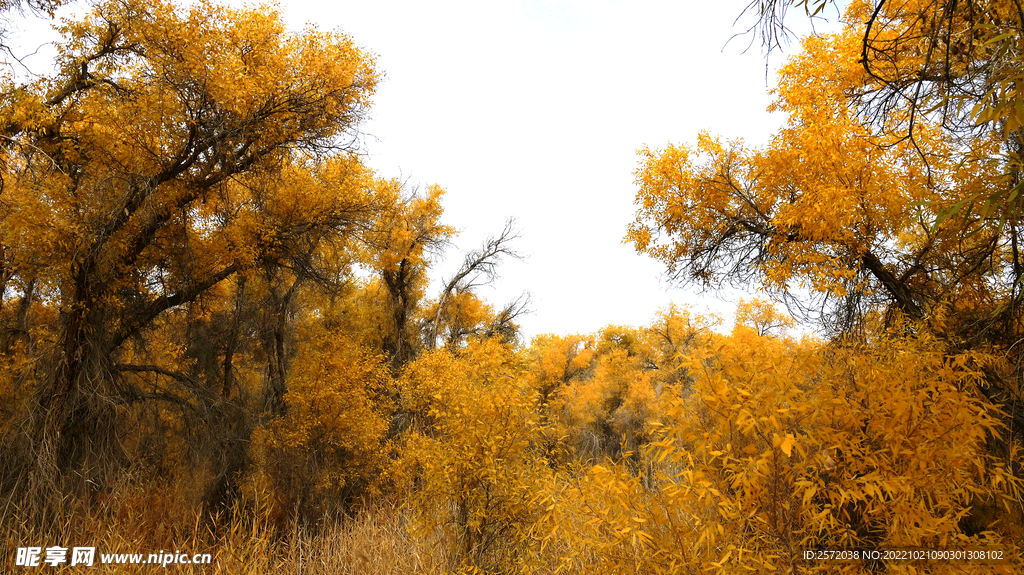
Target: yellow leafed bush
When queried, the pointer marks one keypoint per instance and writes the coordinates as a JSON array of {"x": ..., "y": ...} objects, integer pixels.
[
  {"x": 785, "y": 446},
  {"x": 329, "y": 445},
  {"x": 471, "y": 458}
]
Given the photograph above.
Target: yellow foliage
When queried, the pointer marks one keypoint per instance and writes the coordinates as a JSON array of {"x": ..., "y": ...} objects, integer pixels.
[
  {"x": 471, "y": 460},
  {"x": 555, "y": 361},
  {"x": 830, "y": 204},
  {"x": 762, "y": 317},
  {"x": 330, "y": 443},
  {"x": 785, "y": 446},
  {"x": 184, "y": 232}
]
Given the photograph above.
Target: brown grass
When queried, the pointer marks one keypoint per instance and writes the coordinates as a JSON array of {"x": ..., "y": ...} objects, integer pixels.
[{"x": 376, "y": 541}]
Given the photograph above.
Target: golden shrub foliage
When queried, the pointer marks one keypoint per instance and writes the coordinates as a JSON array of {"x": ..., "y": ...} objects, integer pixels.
[
  {"x": 784, "y": 446},
  {"x": 330, "y": 443},
  {"x": 472, "y": 461}
]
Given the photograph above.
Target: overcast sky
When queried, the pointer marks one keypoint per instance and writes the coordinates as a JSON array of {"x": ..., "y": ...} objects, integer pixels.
[{"x": 535, "y": 110}]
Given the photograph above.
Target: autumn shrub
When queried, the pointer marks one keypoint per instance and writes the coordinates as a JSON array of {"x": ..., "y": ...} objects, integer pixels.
[
  {"x": 671, "y": 339},
  {"x": 611, "y": 405},
  {"x": 785, "y": 446},
  {"x": 329, "y": 445},
  {"x": 472, "y": 462},
  {"x": 555, "y": 361},
  {"x": 612, "y": 389}
]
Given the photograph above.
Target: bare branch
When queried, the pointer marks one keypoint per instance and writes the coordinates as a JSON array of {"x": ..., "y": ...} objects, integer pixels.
[{"x": 479, "y": 268}]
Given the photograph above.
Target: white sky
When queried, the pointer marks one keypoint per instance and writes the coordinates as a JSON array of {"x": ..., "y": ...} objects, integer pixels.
[{"x": 535, "y": 110}]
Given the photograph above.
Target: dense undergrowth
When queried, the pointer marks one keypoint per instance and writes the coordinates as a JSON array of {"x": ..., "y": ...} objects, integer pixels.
[{"x": 671, "y": 448}]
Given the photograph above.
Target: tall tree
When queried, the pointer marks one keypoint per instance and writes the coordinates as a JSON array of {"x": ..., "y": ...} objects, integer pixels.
[
  {"x": 957, "y": 65},
  {"x": 831, "y": 204},
  {"x": 401, "y": 241},
  {"x": 173, "y": 149}
]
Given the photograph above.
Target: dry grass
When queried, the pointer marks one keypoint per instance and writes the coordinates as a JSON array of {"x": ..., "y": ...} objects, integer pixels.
[{"x": 377, "y": 541}]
